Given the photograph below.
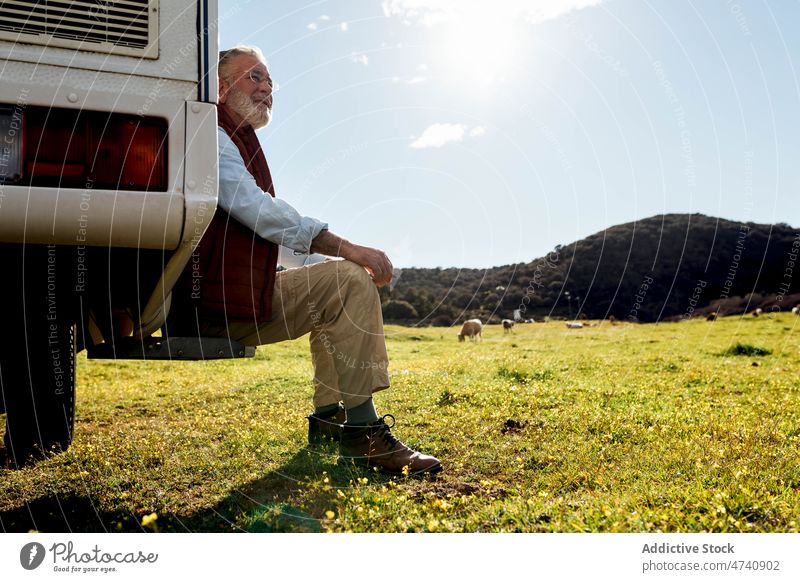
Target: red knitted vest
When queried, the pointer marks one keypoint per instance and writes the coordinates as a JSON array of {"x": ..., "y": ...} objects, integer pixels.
[{"x": 234, "y": 269}]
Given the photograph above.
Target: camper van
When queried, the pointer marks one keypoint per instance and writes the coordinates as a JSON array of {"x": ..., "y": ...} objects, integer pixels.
[{"x": 107, "y": 182}]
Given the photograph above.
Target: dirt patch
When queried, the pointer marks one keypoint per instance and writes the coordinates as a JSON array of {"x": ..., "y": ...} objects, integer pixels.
[{"x": 512, "y": 425}]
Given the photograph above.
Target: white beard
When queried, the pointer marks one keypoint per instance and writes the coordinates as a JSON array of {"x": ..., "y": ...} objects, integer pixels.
[{"x": 256, "y": 114}]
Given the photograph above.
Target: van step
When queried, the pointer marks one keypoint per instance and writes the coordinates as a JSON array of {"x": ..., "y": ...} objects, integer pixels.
[{"x": 171, "y": 348}]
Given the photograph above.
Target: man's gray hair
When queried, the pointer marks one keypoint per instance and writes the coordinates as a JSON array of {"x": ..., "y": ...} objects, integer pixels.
[{"x": 225, "y": 57}]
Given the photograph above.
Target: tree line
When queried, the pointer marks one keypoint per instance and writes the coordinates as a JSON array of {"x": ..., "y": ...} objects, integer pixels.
[{"x": 660, "y": 268}]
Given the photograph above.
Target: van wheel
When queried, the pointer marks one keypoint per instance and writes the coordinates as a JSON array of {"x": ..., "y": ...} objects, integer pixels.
[
  {"x": 37, "y": 368},
  {"x": 39, "y": 393}
]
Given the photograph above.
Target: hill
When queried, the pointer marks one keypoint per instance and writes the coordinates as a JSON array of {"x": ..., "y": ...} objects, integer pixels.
[{"x": 664, "y": 267}]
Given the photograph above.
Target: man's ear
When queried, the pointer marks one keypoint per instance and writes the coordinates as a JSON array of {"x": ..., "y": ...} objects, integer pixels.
[{"x": 223, "y": 90}]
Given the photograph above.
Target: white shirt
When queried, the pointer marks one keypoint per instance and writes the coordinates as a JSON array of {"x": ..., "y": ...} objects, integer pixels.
[{"x": 270, "y": 218}]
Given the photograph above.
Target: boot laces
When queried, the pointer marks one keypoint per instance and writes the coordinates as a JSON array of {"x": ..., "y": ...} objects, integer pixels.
[{"x": 384, "y": 432}]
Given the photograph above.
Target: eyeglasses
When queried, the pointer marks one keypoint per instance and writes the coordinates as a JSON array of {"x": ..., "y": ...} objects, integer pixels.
[{"x": 258, "y": 78}]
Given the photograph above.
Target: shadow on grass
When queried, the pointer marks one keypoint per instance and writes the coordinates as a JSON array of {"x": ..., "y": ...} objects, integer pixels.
[
  {"x": 292, "y": 498},
  {"x": 65, "y": 513}
]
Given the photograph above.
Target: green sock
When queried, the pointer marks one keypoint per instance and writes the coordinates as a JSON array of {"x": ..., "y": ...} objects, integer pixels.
[
  {"x": 362, "y": 414},
  {"x": 327, "y": 410}
]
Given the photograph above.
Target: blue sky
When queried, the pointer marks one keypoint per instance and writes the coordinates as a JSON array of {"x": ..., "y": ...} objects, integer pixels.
[{"x": 449, "y": 134}]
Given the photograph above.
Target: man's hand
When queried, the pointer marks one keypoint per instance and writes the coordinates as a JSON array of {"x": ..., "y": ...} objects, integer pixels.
[{"x": 374, "y": 261}]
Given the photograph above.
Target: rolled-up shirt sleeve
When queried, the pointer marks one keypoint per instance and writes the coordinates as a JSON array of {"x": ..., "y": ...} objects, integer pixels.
[{"x": 270, "y": 218}]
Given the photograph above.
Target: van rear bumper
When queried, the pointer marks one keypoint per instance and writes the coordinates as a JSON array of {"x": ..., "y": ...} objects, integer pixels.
[{"x": 36, "y": 215}]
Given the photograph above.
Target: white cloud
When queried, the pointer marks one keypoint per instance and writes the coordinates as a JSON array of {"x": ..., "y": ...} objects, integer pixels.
[
  {"x": 439, "y": 134},
  {"x": 409, "y": 80},
  {"x": 432, "y": 12},
  {"x": 324, "y": 18},
  {"x": 360, "y": 58}
]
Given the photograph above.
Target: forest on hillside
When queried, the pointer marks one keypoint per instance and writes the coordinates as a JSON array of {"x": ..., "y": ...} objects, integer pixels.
[{"x": 660, "y": 268}]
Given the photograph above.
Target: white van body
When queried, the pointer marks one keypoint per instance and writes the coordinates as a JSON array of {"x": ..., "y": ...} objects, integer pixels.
[
  {"x": 175, "y": 85},
  {"x": 108, "y": 164},
  {"x": 172, "y": 77}
]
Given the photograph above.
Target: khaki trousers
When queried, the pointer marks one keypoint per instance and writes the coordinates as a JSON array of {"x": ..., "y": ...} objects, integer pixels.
[{"x": 338, "y": 304}]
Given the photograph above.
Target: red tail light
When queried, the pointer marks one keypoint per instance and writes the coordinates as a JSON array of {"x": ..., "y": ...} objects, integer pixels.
[{"x": 72, "y": 149}]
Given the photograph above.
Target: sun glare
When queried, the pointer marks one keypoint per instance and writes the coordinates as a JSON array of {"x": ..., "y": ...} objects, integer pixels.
[{"x": 477, "y": 49}]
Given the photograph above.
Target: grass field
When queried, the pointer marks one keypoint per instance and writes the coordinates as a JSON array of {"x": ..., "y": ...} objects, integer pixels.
[{"x": 687, "y": 426}]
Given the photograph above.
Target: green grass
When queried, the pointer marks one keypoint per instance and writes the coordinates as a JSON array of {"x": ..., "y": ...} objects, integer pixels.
[
  {"x": 740, "y": 349},
  {"x": 630, "y": 428}
]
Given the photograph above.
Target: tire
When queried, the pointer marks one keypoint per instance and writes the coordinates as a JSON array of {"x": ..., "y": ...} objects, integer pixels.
[{"x": 37, "y": 368}]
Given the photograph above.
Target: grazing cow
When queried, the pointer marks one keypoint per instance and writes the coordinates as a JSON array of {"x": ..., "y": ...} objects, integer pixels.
[
  {"x": 712, "y": 316},
  {"x": 574, "y": 325},
  {"x": 757, "y": 312},
  {"x": 796, "y": 309},
  {"x": 508, "y": 325},
  {"x": 472, "y": 328}
]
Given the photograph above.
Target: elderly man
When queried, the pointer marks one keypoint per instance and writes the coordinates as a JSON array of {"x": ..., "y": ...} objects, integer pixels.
[{"x": 237, "y": 293}]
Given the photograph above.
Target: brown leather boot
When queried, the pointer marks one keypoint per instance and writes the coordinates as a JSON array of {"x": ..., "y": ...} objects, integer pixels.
[
  {"x": 375, "y": 446},
  {"x": 328, "y": 428}
]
